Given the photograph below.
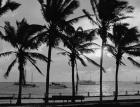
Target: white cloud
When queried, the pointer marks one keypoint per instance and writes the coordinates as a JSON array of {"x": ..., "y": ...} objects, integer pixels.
[
  {"x": 84, "y": 23},
  {"x": 97, "y": 54}
]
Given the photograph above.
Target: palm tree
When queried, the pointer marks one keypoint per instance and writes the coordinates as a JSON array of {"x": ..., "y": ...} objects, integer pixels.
[
  {"x": 22, "y": 39},
  {"x": 106, "y": 13},
  {"x": 55, "y": 13},
  {"x": 78, "y": 45},
  {"x": 124, "y": 39},
  {"x": 9, "y": 5},
  {"x": 77, "y": 81}
]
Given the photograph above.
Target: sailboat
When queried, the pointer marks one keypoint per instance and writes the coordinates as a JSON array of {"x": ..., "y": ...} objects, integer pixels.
[
  {"x": 137, "y": 82},
  {"x": 87, "y": 82}
]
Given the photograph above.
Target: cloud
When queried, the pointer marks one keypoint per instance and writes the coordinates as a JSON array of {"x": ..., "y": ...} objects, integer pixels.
[
  {"x": 97, "y": 54},
  {"x": 84, "y": 23}
]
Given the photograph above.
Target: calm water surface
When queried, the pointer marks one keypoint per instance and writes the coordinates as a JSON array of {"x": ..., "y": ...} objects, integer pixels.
[{"x": 108, "y": 88}]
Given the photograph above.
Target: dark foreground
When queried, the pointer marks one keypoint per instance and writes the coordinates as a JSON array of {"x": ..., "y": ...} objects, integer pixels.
[{"x": 122, "y": 103}]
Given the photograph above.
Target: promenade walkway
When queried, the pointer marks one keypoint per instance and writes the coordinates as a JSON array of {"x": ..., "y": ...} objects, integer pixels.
[
  {"x": 89, "y": 101},
  {"x": 93, "y": 99}
]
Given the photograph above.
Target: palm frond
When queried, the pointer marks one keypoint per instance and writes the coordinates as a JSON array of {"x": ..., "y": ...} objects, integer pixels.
[
  {"x": 1, "y": 3},
  {"x": 86, "y": 51},
  {"x": 41, "y": 1},
  {"x": 57, "y": 11},
  {"x": 136, "y": 46},
  {"x": 93, "y": 32},
  {"x": 38, "y": 56},
  {"x": 40, "y": 38},
  {"x": 61, "y": 49},
  {"x": 121, "y": 62},
  {"x": 69, "y": 6},
  {"x": 94, "y": 63},
  {"x": 81, "y": 60},
  {"x": 26, "y": 31},
  {"x": 7, "y": 53},
  {"x": 9, "y": 5},
  {"x": 30, "y": 57},
  {"x": 63, "y": 53},
  {"x": 116, "y": 19},
  {"x": 86, "y": 45},
  {"x": 34, "y": 28},
  {"x": 35, "y": 66},
  {"x": 133, "y": 53},
  {"x": 9, "y": 68},
  {"x": 135, "y": 63},
  {"x": 74, "y": 20},
  {"x": 89, "y": 17},
  {"x": 12, "y": 5},
  {"x": 111, "y": 49},
  {"x": 10, "y": 34}
]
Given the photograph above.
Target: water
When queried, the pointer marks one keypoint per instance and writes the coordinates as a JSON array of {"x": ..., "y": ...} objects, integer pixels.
[{"x": 108, "y": 88}]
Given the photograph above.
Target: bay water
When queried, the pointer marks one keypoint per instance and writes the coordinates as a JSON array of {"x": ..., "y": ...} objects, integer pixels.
[{"x": 8, "y": 88}]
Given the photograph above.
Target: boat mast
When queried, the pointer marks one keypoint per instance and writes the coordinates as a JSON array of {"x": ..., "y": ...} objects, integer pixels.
[
  {"x": 90, "y": 76},
  {"x": 32, "y": 78}
]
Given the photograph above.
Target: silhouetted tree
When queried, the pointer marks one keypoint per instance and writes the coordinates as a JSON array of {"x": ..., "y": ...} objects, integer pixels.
[
  {"x": 124, "y": 40},
  {"x": 78, "y": 45},
  {"x": 106, "y": 13},
  {"x": 55, "y": 13},
  {"x": 22, "y": 39}
]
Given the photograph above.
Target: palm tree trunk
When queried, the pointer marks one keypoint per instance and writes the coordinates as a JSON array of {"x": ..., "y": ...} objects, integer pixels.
[
  {"x": 101, "y": 75},
  {"x": 73, "y": 81},
  {"x": 21, "y": 70},
  {"x": 77, "y": 83},
  {"x": 48, "y": 74},
  {"x": 24, "y": 78},
  {"x": 116, "y": 81}
]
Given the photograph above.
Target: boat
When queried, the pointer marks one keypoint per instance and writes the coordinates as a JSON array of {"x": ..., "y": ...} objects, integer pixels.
[
  {"x": 137, "y": 82},
  {"x": 57, "y": 85},
  {"x": 87, "y": 82},
  {"x": 26, "y": 84}
]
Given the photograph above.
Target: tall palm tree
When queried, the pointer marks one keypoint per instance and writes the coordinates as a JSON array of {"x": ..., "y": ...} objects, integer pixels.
[
  {"x": 9, "y": 5},
  {"x": 22, "y": 39},
  {"x": 78, "y": 45},
  {"x": 77, "y": 81},
  {"x": 124, "y": 40},
  {"x": 55, "y": 13},
  {"x": 106, "y": 13}
]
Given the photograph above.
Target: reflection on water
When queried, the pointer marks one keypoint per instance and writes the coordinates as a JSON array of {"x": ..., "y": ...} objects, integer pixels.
[{"x": 108, "y": 88}]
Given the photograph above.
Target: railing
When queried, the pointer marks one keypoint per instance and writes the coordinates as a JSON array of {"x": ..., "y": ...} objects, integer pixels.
[{"x": 121, "y": 93}]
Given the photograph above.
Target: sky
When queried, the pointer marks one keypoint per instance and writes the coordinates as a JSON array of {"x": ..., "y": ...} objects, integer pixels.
[{"x": 60, "y": 70}]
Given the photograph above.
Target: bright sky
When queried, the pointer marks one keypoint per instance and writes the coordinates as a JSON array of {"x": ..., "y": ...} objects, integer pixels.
[{"x": 60, "y": 70}]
